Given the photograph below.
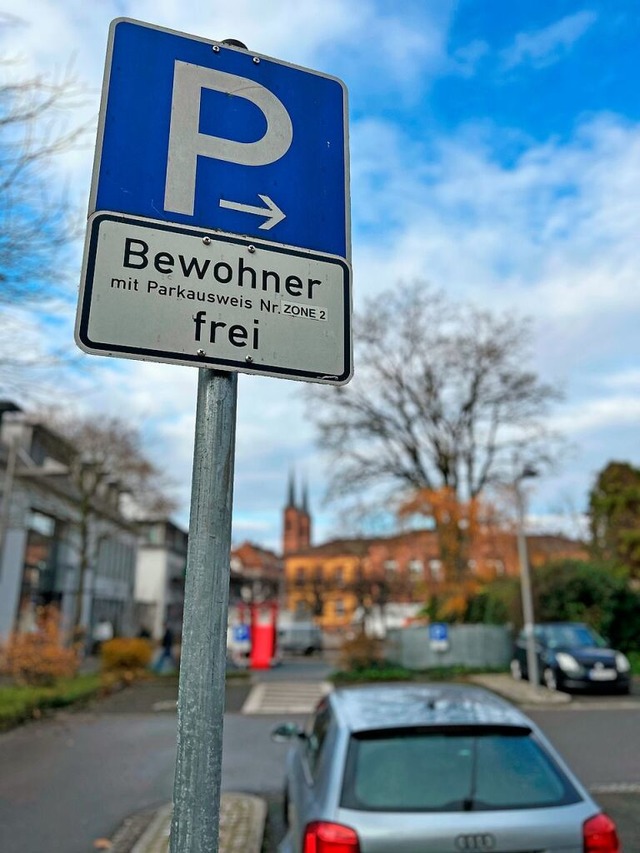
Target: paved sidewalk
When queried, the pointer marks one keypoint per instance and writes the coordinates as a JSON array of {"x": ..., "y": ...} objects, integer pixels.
[
  {"x": 520, "y": 692},
  {"x": 242, "y": 822}
]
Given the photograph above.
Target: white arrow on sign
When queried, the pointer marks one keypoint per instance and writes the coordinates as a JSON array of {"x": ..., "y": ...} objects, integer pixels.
[{"x": 271, "y": 211}]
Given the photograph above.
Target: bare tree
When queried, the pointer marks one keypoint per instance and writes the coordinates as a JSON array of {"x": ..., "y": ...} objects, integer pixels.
[
  {"x": 114, "y": 448},
  {"x": 39, "y": 223},
  {"x": 37, "y": 220},
  {"x": 443, "y": 398},
  {"x": 108, "y": 453}
]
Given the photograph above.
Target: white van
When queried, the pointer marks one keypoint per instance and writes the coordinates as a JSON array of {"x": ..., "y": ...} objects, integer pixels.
[{"x": 302, "y": 638}]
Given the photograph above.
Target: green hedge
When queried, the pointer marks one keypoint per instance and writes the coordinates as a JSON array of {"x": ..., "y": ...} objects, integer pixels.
[{"x": 568, "y": 590}]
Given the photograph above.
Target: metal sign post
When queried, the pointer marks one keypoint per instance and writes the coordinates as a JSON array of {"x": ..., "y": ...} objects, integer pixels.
[{"x": 196, "y": 796}]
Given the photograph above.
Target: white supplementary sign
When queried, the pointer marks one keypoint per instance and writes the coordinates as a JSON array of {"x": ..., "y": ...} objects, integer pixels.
[
  {"x": 238, "y": 163},
  {"x": 193, "y": 300}
]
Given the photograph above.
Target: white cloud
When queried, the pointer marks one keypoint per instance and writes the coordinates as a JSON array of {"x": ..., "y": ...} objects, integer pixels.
[
  {"x": 550, "y": 232},
  {"x": 624, "y": 380},
  {"x": 545, "y": 46},
  {"x": 598, "y": 414}
]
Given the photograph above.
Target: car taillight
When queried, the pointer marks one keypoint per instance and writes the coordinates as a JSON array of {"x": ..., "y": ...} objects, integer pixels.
[
  {"x": 323, "y": 837},
  {"x": 600, "y": 836}
]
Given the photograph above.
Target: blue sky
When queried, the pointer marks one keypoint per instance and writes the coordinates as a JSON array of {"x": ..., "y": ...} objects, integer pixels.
[{"x": 495, "y": 152}]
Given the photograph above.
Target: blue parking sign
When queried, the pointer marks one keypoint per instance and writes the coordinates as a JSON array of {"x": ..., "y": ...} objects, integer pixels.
[
  {"x": 201, "y": 134},
  {"x": 241, "y": 633}
]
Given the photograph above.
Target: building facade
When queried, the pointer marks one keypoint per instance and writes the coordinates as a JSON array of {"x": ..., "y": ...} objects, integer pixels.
[
  {"x": 55, "y": 549},
  {"x": 337, "y": 582},
  {"x": 160, "y": 577}
]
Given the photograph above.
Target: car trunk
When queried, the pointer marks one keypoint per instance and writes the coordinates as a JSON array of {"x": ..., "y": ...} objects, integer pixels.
[{"x": 552, "y": 830}]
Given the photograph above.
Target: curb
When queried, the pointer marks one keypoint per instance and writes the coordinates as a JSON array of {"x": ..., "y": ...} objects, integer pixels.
[
  {"x": 156, "y": 835},
  {"x": 521, "y": 692},
  {"x": 242, "y": 824}
]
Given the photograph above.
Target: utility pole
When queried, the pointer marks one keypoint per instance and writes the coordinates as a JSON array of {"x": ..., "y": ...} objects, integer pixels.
[
  {"x": 525, "y": 579},
  {"x": 7, "y": 492}
]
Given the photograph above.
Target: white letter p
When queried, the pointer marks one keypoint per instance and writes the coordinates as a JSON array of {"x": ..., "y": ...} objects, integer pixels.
[{"x": 186, "y": 143}]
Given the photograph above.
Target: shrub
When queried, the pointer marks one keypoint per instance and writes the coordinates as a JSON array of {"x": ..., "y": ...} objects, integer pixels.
[
  {"x": 362, "y": 652},
  {"x": 38, "y": 657},
  {"x": 125, "y": 654},
  {"x": 596, "y": 593}
]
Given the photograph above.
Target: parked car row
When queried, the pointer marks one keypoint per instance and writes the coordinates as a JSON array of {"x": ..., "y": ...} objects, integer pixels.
[
  {"x": 572, "y": 656},
  {"x": 419, "y": 768}
]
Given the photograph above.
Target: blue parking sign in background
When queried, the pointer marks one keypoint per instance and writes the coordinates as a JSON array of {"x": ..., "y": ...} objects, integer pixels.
[
  {"x": 254, "y": 104},
  {"x": 438, "y": 631}
]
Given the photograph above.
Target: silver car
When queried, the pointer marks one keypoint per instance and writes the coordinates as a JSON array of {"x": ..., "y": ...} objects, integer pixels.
[{"x": 432, "y": 769}]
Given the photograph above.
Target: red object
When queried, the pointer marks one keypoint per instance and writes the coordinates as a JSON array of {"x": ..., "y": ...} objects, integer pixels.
[
  {"x": 263, "y": 635},
  {"x": 323, "y": 837},
  {"x": 600, "y": 836}
]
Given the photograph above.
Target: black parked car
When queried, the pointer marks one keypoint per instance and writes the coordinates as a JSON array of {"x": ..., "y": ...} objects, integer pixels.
[{"x": 572, "y": 656}]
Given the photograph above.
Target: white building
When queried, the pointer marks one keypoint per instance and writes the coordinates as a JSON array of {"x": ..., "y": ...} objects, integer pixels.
[{"x": 160, "y": 573}]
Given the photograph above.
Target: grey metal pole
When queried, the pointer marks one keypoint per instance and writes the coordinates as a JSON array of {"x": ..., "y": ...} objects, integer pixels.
[
  {"x": 196, "y": 793},
  {"x": 525, "y": 589},
  {"x": 7, "y": 494}
]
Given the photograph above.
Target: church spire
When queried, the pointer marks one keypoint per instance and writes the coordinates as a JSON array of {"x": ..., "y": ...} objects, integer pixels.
[
  {"x": 291, "y": 497},
  {"x": 296, "y": 519}
]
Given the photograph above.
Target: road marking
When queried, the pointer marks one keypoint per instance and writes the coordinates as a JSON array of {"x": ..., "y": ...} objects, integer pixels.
[
  {"x": 615, "y": 788},
  {"x": 285, "y": 697},
  {"x": 165, "y": 705}
]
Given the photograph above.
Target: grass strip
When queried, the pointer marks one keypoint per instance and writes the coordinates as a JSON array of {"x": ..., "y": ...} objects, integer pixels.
[{"x": 20, "y": 703}]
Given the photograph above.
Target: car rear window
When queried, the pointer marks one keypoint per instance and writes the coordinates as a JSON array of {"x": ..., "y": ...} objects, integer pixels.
[{"x": 451, "y": 771}]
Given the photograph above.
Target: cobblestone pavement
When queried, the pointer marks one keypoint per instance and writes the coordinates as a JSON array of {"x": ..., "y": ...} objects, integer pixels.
[{"x": 242, "y": 823}]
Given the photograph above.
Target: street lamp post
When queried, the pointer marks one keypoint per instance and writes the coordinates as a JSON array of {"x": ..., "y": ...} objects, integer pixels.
[{"x": 525, "y": 581}]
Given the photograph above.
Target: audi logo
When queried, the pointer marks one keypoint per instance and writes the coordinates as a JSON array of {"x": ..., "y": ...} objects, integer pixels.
[{"x": 478, "y": 841}]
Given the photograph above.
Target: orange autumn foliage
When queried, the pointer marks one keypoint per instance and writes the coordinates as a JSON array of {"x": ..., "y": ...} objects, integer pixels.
[
  {"x": 469, "y": 532},
  {"x": 456, "y": 522},
  {"x": 39, "y": 657}
]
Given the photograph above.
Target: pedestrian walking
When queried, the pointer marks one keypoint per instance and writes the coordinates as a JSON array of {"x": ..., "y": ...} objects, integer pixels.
[
  {"x": 166, "y": 653},
  {"x": 102, "y": 633}
]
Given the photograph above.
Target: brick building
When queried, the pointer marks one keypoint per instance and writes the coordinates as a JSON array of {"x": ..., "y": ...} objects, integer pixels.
[{"x": 334, "y": 581}]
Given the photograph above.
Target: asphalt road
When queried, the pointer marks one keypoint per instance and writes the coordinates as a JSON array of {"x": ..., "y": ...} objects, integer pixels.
[
  {"x": 600, "y": 740},
  {"x": 68, "y": 780}
]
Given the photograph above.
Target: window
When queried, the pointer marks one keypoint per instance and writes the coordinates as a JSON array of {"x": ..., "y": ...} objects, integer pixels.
[
  {"x": 338, "y": 607},
  {"x": 338, "y": 576},
  {"x": 390, "y": 565},
  {"x": 451, "y": 771},
  {"x": 435, "y": 567},
  {"x": 496, "y": 565},
  {"x": 155, "y": 534},
  {"x": 317, "y": 736},
  {"x": 571, "y": 636},
  {"x": 415, "y": 567},
  {"x": 41, "y": 523}
]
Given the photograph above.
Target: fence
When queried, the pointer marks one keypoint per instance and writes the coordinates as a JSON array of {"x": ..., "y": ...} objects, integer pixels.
[{"x": 476, "y": 646}]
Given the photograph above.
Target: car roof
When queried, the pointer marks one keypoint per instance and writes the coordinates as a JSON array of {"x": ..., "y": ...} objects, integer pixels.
[{"x": 409, "y": 705}]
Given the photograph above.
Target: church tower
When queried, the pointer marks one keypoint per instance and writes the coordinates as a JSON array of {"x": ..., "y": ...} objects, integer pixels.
[{"x": 297, "y": 521}]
